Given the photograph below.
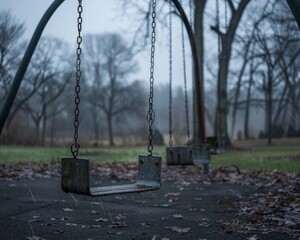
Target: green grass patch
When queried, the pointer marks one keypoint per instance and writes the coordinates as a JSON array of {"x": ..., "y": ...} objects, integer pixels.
[
  {"x": 282, "y": 158},
  {"x": 31, "y": 154}
]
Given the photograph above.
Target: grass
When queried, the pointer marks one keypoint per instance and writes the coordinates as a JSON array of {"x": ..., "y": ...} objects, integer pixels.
[{"x": 282, "y": 158}]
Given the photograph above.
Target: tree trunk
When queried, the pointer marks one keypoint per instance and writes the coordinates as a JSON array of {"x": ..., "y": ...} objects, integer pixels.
[
  {"x": 247, "y": 110},
  {"x": 44, "y": 119},
  {"x": 52, "y": 132},
  {"x": 221, "y": 130},
  {"x": 110, "y": 129},
  {"x": 237, "y": 92},
  {"x": 95, "y": 122},
  {"x": 198, "y": 26},
  {"x": 37, "y": 133},
  {"x": 282, "y": 104},
  {"x": 269, "y": 110}
]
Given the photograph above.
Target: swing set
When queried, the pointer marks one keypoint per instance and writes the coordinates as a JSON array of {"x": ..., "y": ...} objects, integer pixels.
[{"x": 75, "y": 170}]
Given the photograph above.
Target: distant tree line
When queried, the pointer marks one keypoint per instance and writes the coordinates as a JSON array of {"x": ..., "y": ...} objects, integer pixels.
[{"x": 260, "y": 72}]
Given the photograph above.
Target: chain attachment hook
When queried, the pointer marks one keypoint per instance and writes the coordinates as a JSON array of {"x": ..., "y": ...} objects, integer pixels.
[{"x": 75, "y": 149}]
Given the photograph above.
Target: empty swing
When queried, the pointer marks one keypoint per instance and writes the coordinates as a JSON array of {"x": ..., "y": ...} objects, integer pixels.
[
  {"x": 178, "y": 155},
  {"x": 196, "y": 151},
  {"x": 75, "y": 170}
]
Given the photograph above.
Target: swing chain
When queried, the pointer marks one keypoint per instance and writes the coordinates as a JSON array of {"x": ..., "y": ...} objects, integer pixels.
[
  {"x": 151, "y": 113},
  {"x": 218, "y": 27},
  {"x": 191, "y": 13},
  {"x": 75, "y": 146},
  {"x": 185, "y": 84},
  {"x": 170, "y": 74},
  {"x": 226, "y": 17}
]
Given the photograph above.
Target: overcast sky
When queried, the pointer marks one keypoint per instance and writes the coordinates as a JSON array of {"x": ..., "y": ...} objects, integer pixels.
[{"x": 99, "y": 16}]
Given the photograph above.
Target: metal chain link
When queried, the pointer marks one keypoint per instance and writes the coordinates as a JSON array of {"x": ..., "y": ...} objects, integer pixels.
[
  {"x": 218, "y": 28},
  {"x": 170, "y": 73},
  {"x": 225, "y": 55},
  {"x": 226, "y": 16},
  {"x": 185, "y": 82},
  {"x": 193, "y": 70},
  {"x": 151, "y": 113},
  {"x": 191, "y": 13},
  {"x": 75, "y": 146}
]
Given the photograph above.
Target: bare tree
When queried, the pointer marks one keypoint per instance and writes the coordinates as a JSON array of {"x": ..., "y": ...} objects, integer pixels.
[
  {"x": 110, "y": 64},
  {"x": 227, "y": 38},
  {"x": 278, "y": 51},
  {"x": 11, "y": 32},
  {"x": 47, "y": 70},
  {"x": 244, "y": 48}
]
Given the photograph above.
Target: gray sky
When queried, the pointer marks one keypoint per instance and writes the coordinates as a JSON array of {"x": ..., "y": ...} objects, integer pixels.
[
  {"x": 100, "y": 16},
  {"x": 97, "y": 17}
]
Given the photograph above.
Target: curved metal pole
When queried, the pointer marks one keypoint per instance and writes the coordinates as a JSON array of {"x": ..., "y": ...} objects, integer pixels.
[
  {"x": 295, "y": 8},
  {"x": 198, "y": 85},
  {"x": 13, "y": 90}
]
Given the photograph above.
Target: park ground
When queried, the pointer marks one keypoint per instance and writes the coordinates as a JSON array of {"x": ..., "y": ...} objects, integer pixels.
[{"x": 252, "y": 192}]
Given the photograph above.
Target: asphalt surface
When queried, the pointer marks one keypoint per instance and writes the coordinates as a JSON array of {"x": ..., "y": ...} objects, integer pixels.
[{"x": 38, "y": 209}]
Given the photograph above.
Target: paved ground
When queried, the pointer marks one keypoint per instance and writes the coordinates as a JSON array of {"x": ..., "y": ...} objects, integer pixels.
[{"x": 38, "y": 209}]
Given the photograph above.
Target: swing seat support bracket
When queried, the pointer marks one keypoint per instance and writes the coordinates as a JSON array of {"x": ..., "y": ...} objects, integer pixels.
[{"x": 75, "y": 177}]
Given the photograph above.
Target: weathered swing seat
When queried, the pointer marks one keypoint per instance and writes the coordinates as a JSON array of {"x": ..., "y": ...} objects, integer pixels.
[
  {"x": 217, "y": 145},
  {"x": 202, "y": 156},
  {"x": 189, "y": 156},
  {"x": 179, "y": 155},
  {"x": 75, "y": 177}
]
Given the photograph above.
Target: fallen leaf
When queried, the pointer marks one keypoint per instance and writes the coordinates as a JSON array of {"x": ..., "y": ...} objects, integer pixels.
[
  {"x": 36, "y": 220},
  {"x": 101, "y": 220},
  {"x": 68, "y": 209},
  {"x": 118, "y": 225},
  {"x": 35, "y": 238},
  {"x": 72, "y": 224},
  {"x": 177, "y": 216},
  {"x": 94, "y": 212},
  {"x": 95, "y": 226},
  {"x": 179, "y": 230},
  {"x": 173, "y": 194},
  {"x": 120, "y": 217},
  {"x": 115, "y": 233},
  {"x": 145, "y": 225},
  {"x": 58, "y": 231},
  {"x": 193, "y": 209},
  {"x": 254, "y": 237}
]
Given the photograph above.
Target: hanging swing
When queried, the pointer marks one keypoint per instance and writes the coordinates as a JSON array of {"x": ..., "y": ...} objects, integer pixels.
[
  {"x": 199, "y": 153},
  {"x": 75, "y": 170},
  {"x": 178, "y": 155}
]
